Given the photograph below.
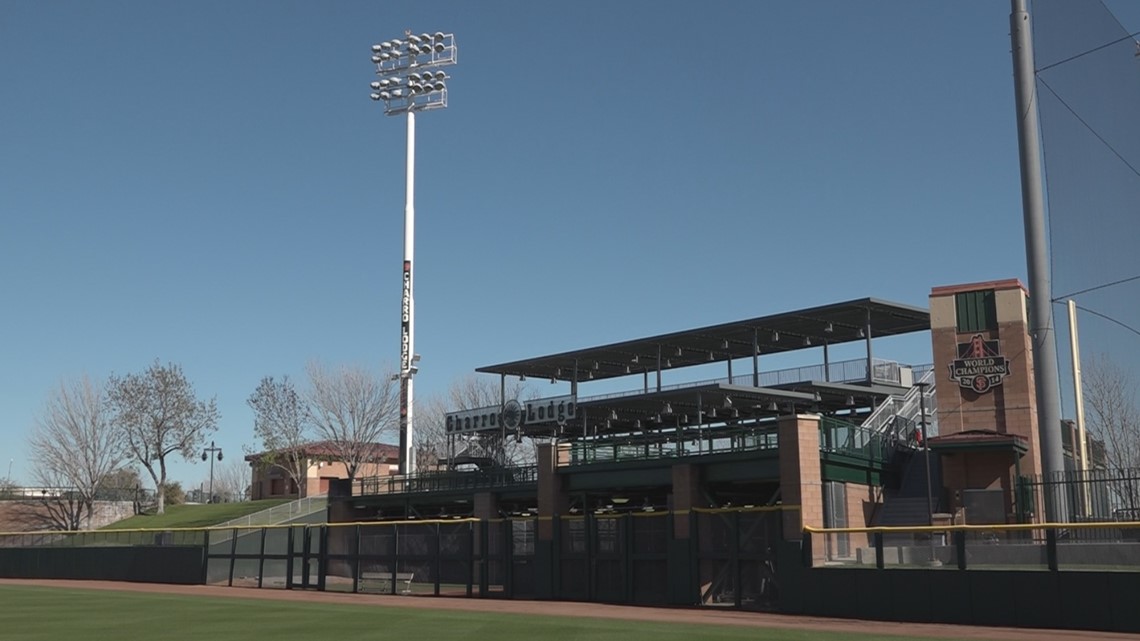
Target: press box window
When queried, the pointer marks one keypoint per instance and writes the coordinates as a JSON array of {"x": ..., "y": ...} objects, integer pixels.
[{"x": 976, "y": 311}]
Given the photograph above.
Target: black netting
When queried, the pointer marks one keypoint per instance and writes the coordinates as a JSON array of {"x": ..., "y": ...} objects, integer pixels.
[
  {"x": 573, "y": 580},
  {"x": 759, "y": 532},
  {"x": 277, "y": 541},
  {"x": 609, "y": 580},
  {"x": 454, "y": 539},
  {"x": 415, "y": 539},
  {"x": 650, "y": 581},
  {"x": 715, "y": 532},
  {"x": 573, "y": 535},
  {"x": 1089, "y": 88},
  {"x": 650, "y": 534}
]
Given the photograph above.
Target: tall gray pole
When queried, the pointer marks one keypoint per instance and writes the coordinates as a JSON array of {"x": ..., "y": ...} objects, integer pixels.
[{"x": 1037, "y": 258}]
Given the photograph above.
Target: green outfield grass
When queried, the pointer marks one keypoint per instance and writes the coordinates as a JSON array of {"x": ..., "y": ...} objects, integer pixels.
[
  {"x": 204, "y": 515},
  {"x": 42, "y": 613}
]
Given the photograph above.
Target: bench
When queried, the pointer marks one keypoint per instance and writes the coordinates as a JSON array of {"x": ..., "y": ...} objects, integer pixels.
[{"x": 383, "y": 580}]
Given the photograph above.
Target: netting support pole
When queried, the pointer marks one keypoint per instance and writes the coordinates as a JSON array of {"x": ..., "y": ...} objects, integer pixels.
[{"x": 1037, "y": 258}]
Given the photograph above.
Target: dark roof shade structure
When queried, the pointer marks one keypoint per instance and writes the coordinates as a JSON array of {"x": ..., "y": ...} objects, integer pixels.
[{"x": 836, "y": 323}]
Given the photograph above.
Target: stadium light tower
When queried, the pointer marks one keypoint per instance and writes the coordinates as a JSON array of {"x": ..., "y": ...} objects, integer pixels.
[{"x": 411, "y": 80}]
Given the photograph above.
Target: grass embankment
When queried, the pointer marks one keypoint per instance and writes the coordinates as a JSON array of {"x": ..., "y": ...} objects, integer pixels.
[{"x": 194, "y": 515}]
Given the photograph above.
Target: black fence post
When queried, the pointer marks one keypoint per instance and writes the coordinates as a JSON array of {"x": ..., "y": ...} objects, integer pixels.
[
  {"x": 556, "y": 556},
  {"x": 356, "y": 559},
  {"x": 289, "y": 541},
  {"x": 627, "y": 556},
  {"x": 306, "y": 546},
  {"x": 734, "y": 550},
  {"x": 484, "y": 549},
  {"x": 880, "y": 560},
  {"x": 206, "y": 556},
  {"x": 438, "y": 552},
  {"x": 470, "y": 557},
  {"x": 323, "y": 558},
  {"x": 233, "y": 555},
  {"x": 1051, "y": 548},
  {"x": 805, "y": 550},
  {"x": 508, "y": 550},
  {"x": 960, "y": 548},
  {"x": 261, "y": 557}
]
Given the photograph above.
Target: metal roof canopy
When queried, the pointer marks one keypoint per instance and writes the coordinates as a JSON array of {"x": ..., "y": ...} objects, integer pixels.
[{"x": 803, "y": 329}]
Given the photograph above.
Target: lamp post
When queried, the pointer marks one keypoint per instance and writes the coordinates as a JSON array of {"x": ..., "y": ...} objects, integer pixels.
[
  {"x": 212, "y": 453},
  {"x": 410, "y": 80},
  {"x": 926, "y": 451}
]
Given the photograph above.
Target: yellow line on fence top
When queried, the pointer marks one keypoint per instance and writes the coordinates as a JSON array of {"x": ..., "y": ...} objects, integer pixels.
[{"x": 1007, "y": 527}]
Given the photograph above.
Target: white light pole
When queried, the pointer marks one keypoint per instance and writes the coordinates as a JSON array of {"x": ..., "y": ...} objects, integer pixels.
[{"x": 409, "y": 81}]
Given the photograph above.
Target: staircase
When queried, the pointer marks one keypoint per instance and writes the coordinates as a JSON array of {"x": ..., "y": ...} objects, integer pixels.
[
  {"x": 907, "y": 504},
  {"x": 903, "y": 411}
]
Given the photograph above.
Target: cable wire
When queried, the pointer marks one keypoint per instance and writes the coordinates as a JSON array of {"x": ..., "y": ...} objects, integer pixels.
[
  {"x": 1131, "y": 36},
  {"x": 1105, "y": 317},
  {"x": 1093, "y": 289}
]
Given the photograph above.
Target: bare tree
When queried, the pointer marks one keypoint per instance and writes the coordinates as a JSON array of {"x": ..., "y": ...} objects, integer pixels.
[
  {"x": 352, "y": 409},
  {"x": 279, "y": 423},
  {"x": 75, "y": 449},
  {"x": 468, "y": 393},
  {"x": 159, "y": 415},
  {"x": 232, "y": 480},
  {"x": 1112, "y": 413},
  {"x": 1114, "y": 419}
]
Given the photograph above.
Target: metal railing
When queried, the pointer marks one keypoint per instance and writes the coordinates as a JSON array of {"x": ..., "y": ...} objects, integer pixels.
[
  {"x": 102, "y": 494},
  {"x": 717, "y": 441},
  {"x": 840, "y": 437},
  {"x": 907, "y": 407},
  {"x": 1074, "y": 546},
  {"x": 448, "y": 481},
  {"x": 1110, "y": 494},
  {"x": 852, "y": 371},
  {"x": 281, "y": 513}
]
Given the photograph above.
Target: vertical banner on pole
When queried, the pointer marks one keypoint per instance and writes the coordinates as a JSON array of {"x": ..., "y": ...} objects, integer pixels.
[{"x": 405, "y": 365}]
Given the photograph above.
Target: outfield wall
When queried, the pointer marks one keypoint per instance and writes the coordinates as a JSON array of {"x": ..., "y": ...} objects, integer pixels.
[{"x": 730, "y": 558}]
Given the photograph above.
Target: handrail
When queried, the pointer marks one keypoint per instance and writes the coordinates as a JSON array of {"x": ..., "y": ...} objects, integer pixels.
[
  {"x": 283, "y": 512},
  {"x": 741, "y": 439},
  {"x": 850, "y": 371},
  {"x": 449, "y": 480}
]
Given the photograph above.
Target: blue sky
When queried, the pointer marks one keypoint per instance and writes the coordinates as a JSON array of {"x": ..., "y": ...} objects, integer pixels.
[{"x": 208, "y": 183}]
